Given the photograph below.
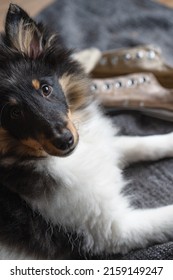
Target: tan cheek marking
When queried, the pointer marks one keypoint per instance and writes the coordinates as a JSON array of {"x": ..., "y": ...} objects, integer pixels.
[
  {"x": 42, "y": 147},
  {"x": 36, "y": 84},
  {"x": 31, "y": 143},
  {"x": 71, "y": 127},
  {"x": 5, "y": 141},
  {"x": 29, "y": 147},
  {"x": 49, "y": 147},
  {"x": 34, "y": 148}
]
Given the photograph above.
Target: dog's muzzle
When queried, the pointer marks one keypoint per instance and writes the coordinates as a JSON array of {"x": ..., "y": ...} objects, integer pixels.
[{"x": 61, "y": 144}]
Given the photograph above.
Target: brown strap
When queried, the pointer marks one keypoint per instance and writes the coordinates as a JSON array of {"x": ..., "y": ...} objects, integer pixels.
[
  {"x": 139, "y": 59},
  {"x": 135, "y": 91}
]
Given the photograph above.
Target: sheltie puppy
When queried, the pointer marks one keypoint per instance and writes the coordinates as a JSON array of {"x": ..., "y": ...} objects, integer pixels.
[{"x": 61, "y": 159}]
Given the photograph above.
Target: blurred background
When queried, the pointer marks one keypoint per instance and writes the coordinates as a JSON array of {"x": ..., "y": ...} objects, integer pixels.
[{"x": 35, "y": 6}]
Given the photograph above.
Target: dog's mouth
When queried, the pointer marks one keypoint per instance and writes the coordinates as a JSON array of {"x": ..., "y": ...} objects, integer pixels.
[
  {"x": 46, "y": 147},
  {"x": 60, "y": 146},
  {"x": 57, "y": 152},
  {"x": 51, "y": 148}
]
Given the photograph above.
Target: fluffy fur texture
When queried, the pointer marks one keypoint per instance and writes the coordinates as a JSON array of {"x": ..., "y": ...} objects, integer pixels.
[{"x": 75, "y": 198}]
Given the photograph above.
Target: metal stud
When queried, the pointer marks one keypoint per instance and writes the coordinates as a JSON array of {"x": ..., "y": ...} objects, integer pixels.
[
  {"x": 94, "y": 87},
  {"x": 139, "y": 54},
  {"x": 131, "y": 82},
  {"x": 114, "y": 60},
  {"x": 143, "y": 80},
  {"x": 127, "y": 56},
  {"x": 103, "y": 61},
  {"x": 107, "y": 86},
  {"x": 118, "y": 84},
  {"x": 151, "y": 54}
]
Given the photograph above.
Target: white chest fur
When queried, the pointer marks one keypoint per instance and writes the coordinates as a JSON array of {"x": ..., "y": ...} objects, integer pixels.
[{"x": 86, "y": 199}]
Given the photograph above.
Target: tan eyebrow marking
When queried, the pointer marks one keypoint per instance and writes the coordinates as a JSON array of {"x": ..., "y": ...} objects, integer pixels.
[{"x": 36, "y": 84}]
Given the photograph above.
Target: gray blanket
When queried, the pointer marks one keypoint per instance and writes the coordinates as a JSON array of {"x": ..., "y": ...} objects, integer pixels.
[{"x": 108, "y": 24}]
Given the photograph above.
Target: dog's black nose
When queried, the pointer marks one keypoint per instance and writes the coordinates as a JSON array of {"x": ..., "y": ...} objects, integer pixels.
[{"x": 64, "y": 141}]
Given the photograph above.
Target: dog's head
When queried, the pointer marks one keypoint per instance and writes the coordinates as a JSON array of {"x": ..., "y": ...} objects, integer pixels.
[{"x": 41, "y": 88}]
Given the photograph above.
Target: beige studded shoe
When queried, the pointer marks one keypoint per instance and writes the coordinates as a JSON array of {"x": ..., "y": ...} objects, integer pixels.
[
  {"x": 140, "y": 91},
  {"x": 133, "y": 60},
  {"x": 134, "y": 79}
]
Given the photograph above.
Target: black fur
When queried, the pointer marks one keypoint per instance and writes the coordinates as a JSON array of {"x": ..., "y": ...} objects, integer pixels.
[
  {"x": 21, "y": 71},
  {"x": 25, "y": 230},
  {"x": 26, "y": 114}
]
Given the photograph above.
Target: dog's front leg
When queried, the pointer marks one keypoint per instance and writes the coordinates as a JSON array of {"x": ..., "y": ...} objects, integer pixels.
[{"x": 135, "y": 148}]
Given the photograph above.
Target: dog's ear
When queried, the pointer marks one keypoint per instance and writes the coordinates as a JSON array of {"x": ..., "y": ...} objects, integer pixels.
[{"x": 22, "y": 32}]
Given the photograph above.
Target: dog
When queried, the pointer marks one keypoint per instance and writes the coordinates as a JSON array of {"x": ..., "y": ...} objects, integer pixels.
[{"x": 61, "y": 159}]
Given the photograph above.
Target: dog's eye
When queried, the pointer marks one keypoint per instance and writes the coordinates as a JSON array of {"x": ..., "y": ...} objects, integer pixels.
[
  {"x": 15, "y": 113},
  {"x": 46, "y": 90}
]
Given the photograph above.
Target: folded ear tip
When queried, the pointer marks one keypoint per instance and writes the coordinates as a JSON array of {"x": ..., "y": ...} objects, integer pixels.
[{"x": 13, "y": 8}]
